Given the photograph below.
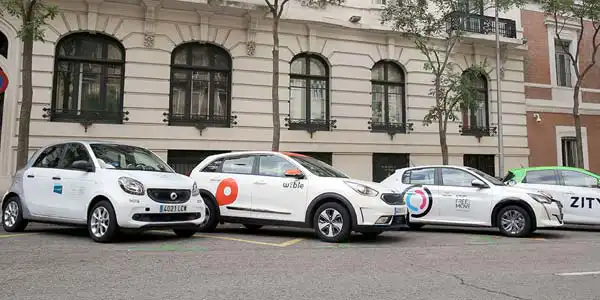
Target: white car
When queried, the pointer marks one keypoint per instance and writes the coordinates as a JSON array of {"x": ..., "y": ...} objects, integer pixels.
[
  {"x": 257, "y": 188},
  {"x": 105, "y": 186},
  {"x": 463, "y": 196}
]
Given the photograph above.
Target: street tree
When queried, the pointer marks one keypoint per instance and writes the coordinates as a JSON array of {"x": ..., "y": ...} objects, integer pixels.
[
  {"x": 581, "y": 19},
  {"x": 434, "y": 27},
  {"x": 33, "y": 15}
]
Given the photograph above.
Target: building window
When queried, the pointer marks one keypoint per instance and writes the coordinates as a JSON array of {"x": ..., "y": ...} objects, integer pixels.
[
  {"x": 475, "y": 119},
  {"x": 483, "y": 162},
  {"x": 385, "y": 164},
  {"x": 563, "y": 63},
  {"x": 3, "y": 45},
  {"x": 184, "y": 161},
  {"x": 309, "y": 93},
  {"x": 569, "y": 151},
  {"x": 200, "y": 86},
  {"x": 88, "y": 79},
  {"x": 388, "y": 97}
]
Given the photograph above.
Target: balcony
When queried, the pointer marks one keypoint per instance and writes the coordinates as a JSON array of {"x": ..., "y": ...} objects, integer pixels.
[{"x": 482, "y": 24}]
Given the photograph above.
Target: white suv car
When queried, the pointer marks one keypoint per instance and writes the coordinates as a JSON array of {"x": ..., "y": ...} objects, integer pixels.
[
  {"x": 257, "y": 188},
  {"x": 457, "y": 195},
  {"x": 105, "y": 186}
]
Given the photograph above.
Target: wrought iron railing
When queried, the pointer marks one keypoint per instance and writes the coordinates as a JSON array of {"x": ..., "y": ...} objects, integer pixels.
[
  {"x": 477, "y": 131},
  {"x": 391, "y": 128},
  {"x": 481, "y": 24},
  {"x": 85, "y": 117},
  {"x": 310, "y": 125},
  {"x": 200, "y": 121}
]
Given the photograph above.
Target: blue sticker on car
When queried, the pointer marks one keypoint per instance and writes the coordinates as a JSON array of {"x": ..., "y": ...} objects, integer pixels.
[{"x": 58, "y": 188}]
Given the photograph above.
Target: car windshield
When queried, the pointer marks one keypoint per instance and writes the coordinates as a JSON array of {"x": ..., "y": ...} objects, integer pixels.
[
  {"x": 125, "y": 157},
  {"x": 487, "y": 177},
  {"x": 318, "y": 167}
]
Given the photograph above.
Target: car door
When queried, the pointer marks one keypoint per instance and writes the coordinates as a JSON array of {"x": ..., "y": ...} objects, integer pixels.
[
  {"x": 421, "y": 194},
  {"x": 232, "y": 185},
  {"x": 547, "y": 181},
  {"x": 276, "y": 196},
  {"x": 40, "y": 185},
  {"x": 460, "y": 201},
  {"x": 77, "y": 185},
  {"x": 583, "y": 194}
]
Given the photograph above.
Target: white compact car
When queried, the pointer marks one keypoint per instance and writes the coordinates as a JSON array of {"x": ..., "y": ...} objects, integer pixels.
[
  {"x": 463, "y": 196},
  {"x": 103, "y": 185},
  {"x": 257, "y": 188}
]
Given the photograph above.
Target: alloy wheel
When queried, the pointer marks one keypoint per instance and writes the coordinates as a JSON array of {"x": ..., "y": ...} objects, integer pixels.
[
  {"x": 100, "y": 221},
  {"x": 513, "y": 221},
  {"x": 330, "y": 222},
  {"x": 11, "y": 212}
]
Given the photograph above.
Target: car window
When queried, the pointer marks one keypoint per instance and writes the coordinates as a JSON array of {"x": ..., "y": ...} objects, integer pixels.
[
  {"x": 73, "y": 153},
  {"x": 238, "y": 165},
  {"x": 213, "y": 166},
  {"x": 419, "y": 176},
  {"x": 457, "y": 177},
  {"x": 541, "y": 177},
  {"x": 126, "y": 157},
  {"x": 50, "y": 157},
  {"x": 272, "y": 165},
  {"x": 573, "y": 178},
  {"x": 318, "y": 167}
]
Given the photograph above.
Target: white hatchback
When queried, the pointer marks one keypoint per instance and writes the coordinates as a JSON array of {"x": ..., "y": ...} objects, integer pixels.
[
  {"x": 257, "y": 188},
  {"x": 104, "y": 186},
  {"x": 457, "y": 195}
]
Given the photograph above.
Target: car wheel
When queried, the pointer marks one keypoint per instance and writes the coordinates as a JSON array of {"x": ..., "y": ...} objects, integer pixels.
[
  {"x": 212, "y": 217},
  {"x": 371, "y": 234},
  {"x": 12, "y": 215},
  {"x": 184, "y": 233},
  {"x": 253, "y": 227},
  {"x": 102, "y": 222},
  {"x": 332, "y": 223},
  {"x": 514, "y": 221}
]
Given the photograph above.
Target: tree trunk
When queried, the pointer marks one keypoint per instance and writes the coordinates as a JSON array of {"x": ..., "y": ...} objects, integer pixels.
[
  {"x": 275, "y": 87},
  {"x": 441, "y": 123},
  {"x": 443, "y": 142},
  {"x": 577, "y": 119},
  {"x": 25, "y": 115}
]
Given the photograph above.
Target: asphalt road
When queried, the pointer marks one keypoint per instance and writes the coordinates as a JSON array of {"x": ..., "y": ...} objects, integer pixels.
[{"x": 50, "y": 262}]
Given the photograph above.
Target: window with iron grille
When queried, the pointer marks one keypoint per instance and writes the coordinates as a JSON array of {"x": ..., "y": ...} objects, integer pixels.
[
  {"x": 569, "y": 151},
  {"x": 563, "y": 63}
]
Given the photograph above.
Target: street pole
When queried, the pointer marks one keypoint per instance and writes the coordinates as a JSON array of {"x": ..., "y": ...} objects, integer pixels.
[{"x": 499, "y": 99}]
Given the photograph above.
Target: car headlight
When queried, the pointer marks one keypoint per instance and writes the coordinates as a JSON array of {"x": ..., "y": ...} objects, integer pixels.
[
  {"x": 541, "y": 198},
  {"x": 362, "y": 189},
  {"x": 131, "y": 186},
  {"x": 195, "y": 190}
]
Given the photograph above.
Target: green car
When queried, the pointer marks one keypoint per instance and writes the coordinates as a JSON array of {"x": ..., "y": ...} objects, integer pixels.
[{"x": 577, "y": 189}]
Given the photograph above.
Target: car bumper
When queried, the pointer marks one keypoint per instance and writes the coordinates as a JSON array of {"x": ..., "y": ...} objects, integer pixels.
[
  {"x": 552, "y": 216},
  {"x": 144, "y": 213},
  {"x": 381, "y": 218}
]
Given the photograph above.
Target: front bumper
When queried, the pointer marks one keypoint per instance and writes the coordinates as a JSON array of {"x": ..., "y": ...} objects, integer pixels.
[
  {"x": 141, "y": 212},
  {"x": 381, "y": 218},
  {"x": 553, "y": 215}
]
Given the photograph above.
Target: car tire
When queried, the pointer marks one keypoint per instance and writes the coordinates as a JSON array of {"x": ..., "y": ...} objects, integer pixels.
[
  {"x": 371, "y": 235},
  {"x": 212, "y": 216},
  {"x": 102, "y": 222},
  {"x": 184, "y": 233},
  {"x": 253, "y": 227},
  {"x": 324, "y": 218},
  {"x": 514, "y": 221},
  {"x": 12, "y": 215}
]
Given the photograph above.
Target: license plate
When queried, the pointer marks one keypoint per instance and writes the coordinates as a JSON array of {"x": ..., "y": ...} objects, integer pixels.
[{"x": 172, "y": 208}]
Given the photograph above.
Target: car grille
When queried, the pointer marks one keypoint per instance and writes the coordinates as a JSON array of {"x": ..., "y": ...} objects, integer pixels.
[
  {"x": 164, "y": 195},
  {"x": 392, "y": 199}
]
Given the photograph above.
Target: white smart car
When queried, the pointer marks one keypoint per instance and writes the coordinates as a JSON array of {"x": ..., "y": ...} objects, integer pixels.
[
  {"x": 463, "y": 196},
  {"x": 105, "y": 186},
  {"x": 257, "y": 188}
]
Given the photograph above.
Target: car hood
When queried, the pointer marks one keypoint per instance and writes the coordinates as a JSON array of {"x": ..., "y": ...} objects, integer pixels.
[
  {"x": 158, "y": 179},
  {"x": 523, "y": 190},
  {"x": 374, "y": 185}
]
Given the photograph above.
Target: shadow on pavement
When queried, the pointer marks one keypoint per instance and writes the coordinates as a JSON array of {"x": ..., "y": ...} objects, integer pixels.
[
  {"x": 481, "y": 231},
  {"x": 122, "y": 238}
]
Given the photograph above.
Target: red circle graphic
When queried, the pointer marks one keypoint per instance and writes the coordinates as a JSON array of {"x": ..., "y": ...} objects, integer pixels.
[{"x": 227, "y": 191}]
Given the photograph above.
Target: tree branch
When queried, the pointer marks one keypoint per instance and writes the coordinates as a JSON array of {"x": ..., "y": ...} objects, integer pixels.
[
  {"x": 574, "y": 61},
  {"x": 280, "y": 12},
  {"x": 595, "y": 45},
  {"x": 271, "y": 7}
]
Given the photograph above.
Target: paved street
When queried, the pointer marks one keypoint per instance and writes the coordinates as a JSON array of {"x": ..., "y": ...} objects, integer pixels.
[{"x": 50, "y": 262}]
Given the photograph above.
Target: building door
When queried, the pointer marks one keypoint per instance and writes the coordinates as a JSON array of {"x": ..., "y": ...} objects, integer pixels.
[
  {"x": 385, "y": 164},
  {"x": 483, "y": 162},
  {"x": 183, "y": 161}
]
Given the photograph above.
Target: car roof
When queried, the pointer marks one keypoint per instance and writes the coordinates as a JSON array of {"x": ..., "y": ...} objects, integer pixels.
[
  {"x": 545, "y": 168},
  {"x": 243, "y": 152}
]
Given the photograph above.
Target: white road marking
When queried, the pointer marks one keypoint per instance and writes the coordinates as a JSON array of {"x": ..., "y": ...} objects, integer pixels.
[{"x": 579, "y": 273}]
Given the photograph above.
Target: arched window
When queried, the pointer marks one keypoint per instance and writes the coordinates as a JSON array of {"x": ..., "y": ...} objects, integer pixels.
[
  {"x": 3, "y": 45},
  {"x": 88, "y": 79},
  {"x": 309, "y": 92},
  {"x": 388, "y": 97},
  {"x": 475, "y": 119},
  {"x": 200, "y": 85}
]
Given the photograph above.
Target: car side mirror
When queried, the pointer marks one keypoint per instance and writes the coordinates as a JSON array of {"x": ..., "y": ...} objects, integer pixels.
[
  {"x": 294, "y": 173},
  {"x": 478, "y": 183},
  {"x": 83, "y": 165}
]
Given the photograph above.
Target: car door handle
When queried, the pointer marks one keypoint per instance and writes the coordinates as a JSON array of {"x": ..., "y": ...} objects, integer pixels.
[
  {"x": 260, "y": 182},
  {"x": 446, "y": 194},
  {"x": 215, "y": 179},
  {"x": 30, "y": 176},
  {"x": 55, "y": 178},
  {"x": 570, "y": 193}
]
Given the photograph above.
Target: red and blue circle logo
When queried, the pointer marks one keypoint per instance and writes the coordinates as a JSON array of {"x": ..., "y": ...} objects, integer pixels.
[{"x": 418, "y": 200}]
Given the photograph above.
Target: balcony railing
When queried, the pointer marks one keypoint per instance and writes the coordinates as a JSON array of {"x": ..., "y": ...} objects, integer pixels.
[
  {"x": 482, "y": 24},
  {"x": 312, "y": 125}
]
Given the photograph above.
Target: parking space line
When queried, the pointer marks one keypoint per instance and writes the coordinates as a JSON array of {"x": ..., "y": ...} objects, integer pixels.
[
  {"x": 579, "y": 273},
  {"x": 283, "y": 244},
  {"x": 15, "y": 235}
]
